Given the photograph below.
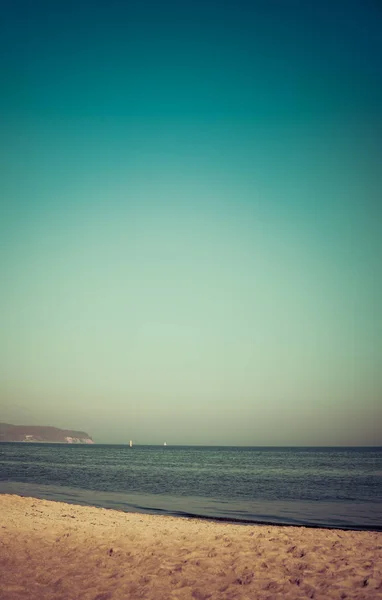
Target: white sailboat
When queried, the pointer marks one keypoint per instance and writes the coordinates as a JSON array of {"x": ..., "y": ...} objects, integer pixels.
[
  {"x": 131, "y": 443},
  {"x": 165, "y": 444}
]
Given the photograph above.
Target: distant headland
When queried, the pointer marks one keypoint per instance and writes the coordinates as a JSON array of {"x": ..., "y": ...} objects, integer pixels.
[{"x": 37, "y": 433}]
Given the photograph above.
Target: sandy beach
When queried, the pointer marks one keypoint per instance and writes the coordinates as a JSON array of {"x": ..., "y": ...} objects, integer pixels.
[{"x": 56, "y": 550}]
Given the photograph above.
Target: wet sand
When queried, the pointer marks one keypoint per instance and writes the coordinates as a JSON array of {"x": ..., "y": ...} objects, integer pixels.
[{"x": 62, "y": 551}]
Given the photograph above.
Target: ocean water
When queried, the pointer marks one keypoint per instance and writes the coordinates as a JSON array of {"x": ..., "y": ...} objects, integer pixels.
[{"x": 324, "y": 487}]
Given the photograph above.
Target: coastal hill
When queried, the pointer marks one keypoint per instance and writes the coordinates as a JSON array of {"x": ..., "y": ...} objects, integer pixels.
[{"x": 36, "y": 433}]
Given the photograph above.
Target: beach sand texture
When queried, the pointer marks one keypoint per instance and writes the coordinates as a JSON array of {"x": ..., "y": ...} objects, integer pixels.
[{"x": 61, "y": 551}]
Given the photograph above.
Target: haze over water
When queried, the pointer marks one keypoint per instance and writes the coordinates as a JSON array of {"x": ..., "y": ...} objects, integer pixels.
[{"x": 190, "y": 221}]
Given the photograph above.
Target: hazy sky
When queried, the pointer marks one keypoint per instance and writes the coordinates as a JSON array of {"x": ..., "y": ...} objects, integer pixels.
[{"x": 190, "y": 220}]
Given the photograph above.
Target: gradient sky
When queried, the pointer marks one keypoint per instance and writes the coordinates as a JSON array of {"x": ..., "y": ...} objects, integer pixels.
[{"x": 190, "y": 220}]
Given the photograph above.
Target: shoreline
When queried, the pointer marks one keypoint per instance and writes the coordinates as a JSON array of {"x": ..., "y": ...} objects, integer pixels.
[
  {"x": 52, "y": 549},
  {"x": 320, "y": 515}
]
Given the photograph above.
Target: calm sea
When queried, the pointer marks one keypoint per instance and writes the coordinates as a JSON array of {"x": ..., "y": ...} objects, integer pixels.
[{"x": 327, "y": 487}]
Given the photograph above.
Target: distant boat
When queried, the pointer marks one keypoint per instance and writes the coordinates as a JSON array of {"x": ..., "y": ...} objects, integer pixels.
[
  {"x": 165, "y": 444},
  {"x": 131, "y": 443}
]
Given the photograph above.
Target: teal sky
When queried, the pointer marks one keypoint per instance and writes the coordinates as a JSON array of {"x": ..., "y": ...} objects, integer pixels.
[{"x": 190, "y": 220}]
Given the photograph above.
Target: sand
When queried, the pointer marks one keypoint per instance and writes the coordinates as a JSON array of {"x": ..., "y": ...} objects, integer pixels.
[{"x": 56, "y": 550}]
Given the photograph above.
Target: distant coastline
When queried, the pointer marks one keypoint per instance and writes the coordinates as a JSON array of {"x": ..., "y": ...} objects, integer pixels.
[{"x": 42, "y": 434}]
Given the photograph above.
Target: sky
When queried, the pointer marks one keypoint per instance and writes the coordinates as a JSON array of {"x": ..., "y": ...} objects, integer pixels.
[{"x": 190, "y": 220}]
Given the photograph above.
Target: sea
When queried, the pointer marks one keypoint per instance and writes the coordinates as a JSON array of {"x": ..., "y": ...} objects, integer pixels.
[{"x": 315, "y": 487}]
